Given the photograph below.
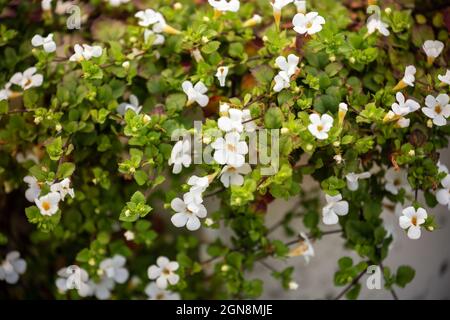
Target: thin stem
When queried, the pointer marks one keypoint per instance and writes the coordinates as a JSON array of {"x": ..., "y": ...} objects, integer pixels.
[{"x": 353, "y": 283}]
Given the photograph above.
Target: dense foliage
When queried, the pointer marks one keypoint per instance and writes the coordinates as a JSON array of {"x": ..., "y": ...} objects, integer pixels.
[{"x": 90, "y": 175}]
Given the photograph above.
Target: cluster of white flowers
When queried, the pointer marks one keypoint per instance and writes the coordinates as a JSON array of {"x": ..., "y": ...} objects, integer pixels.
[
  {"x": 12, "y": 267},
  {"x": 26, "y": 80},
  {"x": 111, "y": 271},
  {"x": 48, "y": 204},
  {"x": 85, "y": 52},
  {"x": 164, "y": 272},
  {"x": 288, "y": 67}
]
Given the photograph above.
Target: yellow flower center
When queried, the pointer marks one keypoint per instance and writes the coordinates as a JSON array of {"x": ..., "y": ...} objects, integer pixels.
[
  {"x": 414, "y": 220},
  {"x": 309, "y": 25},
  {"x": 231, "y": 148},
  {"x": 319, "y": 127},
  {"x": 438, "y": 109},
  {"x": 46, "y": 205}
]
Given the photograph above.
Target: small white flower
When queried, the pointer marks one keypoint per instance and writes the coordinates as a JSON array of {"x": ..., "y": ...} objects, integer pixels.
[
  {"x": 48, "y": 44},
  {"x": 443, "y": 195},
  {"x": 300, "y": 5},
  {"x": 147, "y": 17},
  {"x": 253, "y": 21},
  {"x": 27, "y": 79},
  {"x": 132, "y": 105},
  {"x": 232, "y": 121},
  {"x": 402, "y": 107},
  {"x": 187, "y": 213},
  {"x": 180, "y": 156},
  {"x": 5, "y": 93},
  {"x": 310, "y": 23},
  {"x": 437, "y": 109},
  {"x": 116, "y": 3},
  {"x": 12, "y": 267},
  {"x": 129, "y": 235},
  {"x": 48, "y": 204},
  {"x": 411, "y": 220},
  {"x": 338, "y": 158},
  {"x": 445, "y": 78},
  {"x": 159, "y": 38},
  {"x": 397, "y": 180},
  {"x": 85, "y": 52},
  {"x": 63, "y": 188},
  {"x": 320, "y": 125},
  {"x": 114, "y": 268},
  {"x": 102, "y": 289},
  {"x": 198, "y": 186},
  {"x": 46, "y": 5},
  {"x": 233, "y": 176},
  {"x": 164, "y": 272},
  {"x": 74, "y": 277},
  {"x": 335, "y": 207},
  {"x": 374, "y": 23},
  {"x": 304, "y": 248},
  {"x": 343, "y": 109},
  {"x": 288, "y": 65},
  {"x": 162, "y": 26},
  {"x": 230, "y": 150},
  {"x": 352, "y": 179},
  {"x": 277, "y": 5},
  {"x": 408, "y": 78},
  {"x": 293, "y": 285},
  {"x": 155, "y": 293},
  {"x": 221, "y": 75},
  {"x": 433, "y": 49},
  {"x": 34, "y": 188},
  {"x": 195, "y": 93},
  {"x": 282, "y": 81},
  {"x": 225, "y": 5}
]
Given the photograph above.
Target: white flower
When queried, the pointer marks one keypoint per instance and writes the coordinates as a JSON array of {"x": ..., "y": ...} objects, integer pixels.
[
  {"x": 46, "y": 5},
  {"x": 304, "y": 248},
  {"x": 335, "y": 206},
  {"x": 402, "y": 107},
  {"x": 277, "y": 5},
  {"x": 445, "y": 78},
  {"x": 408, "y": 78},
  {"x": 225, "y": 5},
  {"x": 187, "y": 213},
  {"x": 114, "y": 268},
  {"x": 198, "y": 186},
  {"x": 232, "y": 121},
  {"x": 116, "y": 3},
  {"x": 195, "y": 93},
  {"x": 310, "y": 23},
  {"x": 5, "y": 93},
  {"x": 48, "y": 204},
  {"x": 180, "y": 156},
  {"x": 374, "y": 23},
  {"x": 282, "y": 81},
  {"x": 221, "y": 75},
  {"x": 397, "y": 180},
  {"x": 85, "y": 52},
  {"x": 63, "y": 188},
  {"x": 162, "y": 26},
  {"x": 129, "y": 235},
  {"x": 102, "y": 289},
  {"x": 133, "y": 105},
  {"x": 253, "y": 21},
  {"x": 411, "y": 220},
  {"x": 288, "y": 65},
  {"x": 443, "y": 195},
  {"x": 147, "y": 17},
  {"x": 155, "y": 293},
  {"x": 233, "y": 176},
  {"x": 437, "y": 109},
  {"x": 159, "y": 38},
  {"x": 47, "y": 42},
  {"x": 352, "y": 179},
  {"x": 12, "y": 267},
  {"x": 300, "y": 5},
  {"x": 230, "y": 150},
  {"x": 164, "y": 272},
  {"x": 343, "y": 109},
  {"x": 74, "y": 277},
  {"x": 442, "y": 168},
  {"x": 293, "y": 285},
  {"x": 320, "y": 125},
  {"x": 433, "y": 49},
  {"x": 34, "y": 188},
  {"x": 27, "y": 79}
]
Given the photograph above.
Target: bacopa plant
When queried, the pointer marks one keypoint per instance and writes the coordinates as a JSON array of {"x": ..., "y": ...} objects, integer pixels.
[{"x": 129, "y": 127}]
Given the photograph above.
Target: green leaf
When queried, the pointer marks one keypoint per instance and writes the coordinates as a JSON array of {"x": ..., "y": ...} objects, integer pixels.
[
  {"x": 273, "y": 119},
  {"x": 65, "y": 170},
  {"x": 405, "y": 274},
  {"x": 54, "y": 149},
  {"x": 210, "y": 47}
]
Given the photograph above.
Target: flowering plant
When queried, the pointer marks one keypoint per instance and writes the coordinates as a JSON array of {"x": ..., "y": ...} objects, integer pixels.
[{"x": 142, "y": 142}]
